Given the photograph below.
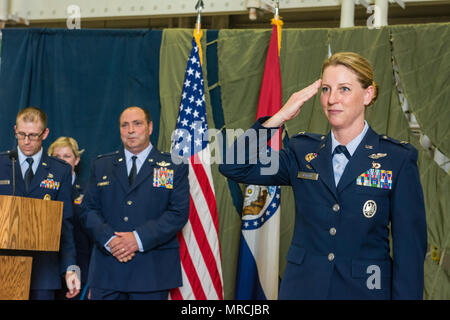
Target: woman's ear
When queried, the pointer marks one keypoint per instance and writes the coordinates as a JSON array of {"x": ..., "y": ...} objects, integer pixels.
[{"x": 369, "y": 95}]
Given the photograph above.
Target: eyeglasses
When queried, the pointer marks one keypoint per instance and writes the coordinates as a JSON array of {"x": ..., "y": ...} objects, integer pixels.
[{"x": 31, "y": 136}]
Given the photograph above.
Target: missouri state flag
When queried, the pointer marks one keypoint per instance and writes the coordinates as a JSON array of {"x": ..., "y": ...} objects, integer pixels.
[{"x": 257, "y": 275}]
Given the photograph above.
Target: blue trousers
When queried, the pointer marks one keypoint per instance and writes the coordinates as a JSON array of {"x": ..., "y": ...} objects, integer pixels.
[
  {"x": 42, "y": 294},
  {"x": 105, "y": 294}
]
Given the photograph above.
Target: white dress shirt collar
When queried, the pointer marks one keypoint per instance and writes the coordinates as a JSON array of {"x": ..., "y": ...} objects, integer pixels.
[
  {"x": 352, "y": 145},
  {"x": 23, "y": 160},
  {"x": 140, "y": 158}
]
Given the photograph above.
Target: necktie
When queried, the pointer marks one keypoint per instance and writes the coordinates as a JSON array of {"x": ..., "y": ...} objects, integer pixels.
[
  {"x": 342, "y": 149},
  {"x": 133, "y": 171},
  {"x": 29, "y": 173}
]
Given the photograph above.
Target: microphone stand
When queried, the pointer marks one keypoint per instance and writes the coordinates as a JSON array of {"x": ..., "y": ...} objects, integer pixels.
[{"x": 13, "y": 156}]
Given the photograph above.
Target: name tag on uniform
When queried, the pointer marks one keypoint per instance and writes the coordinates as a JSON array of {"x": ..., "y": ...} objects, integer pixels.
[
  {"x": 3, "y": 182},
  {"x": 102, "y": 184},
  {"x": 307, "y": 175}
]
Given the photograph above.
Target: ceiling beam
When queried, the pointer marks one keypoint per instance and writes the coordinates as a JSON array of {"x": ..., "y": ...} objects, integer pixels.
[{"x": 57, "y": 10}]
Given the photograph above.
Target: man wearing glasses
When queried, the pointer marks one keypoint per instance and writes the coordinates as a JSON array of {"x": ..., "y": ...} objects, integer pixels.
[{"x": 39, "y": 176}]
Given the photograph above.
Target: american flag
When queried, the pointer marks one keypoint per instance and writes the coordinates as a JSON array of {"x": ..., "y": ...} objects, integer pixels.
[{"x": 199, "y": 239}]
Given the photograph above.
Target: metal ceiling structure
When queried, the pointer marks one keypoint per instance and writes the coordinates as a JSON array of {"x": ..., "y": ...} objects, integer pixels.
[{"x": 220, "y": 14}]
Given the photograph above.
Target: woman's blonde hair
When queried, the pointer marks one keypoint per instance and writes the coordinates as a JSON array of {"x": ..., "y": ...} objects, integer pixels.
[
  {"x": 359, "y": 65},
  {"x": 62, "y": 142}
]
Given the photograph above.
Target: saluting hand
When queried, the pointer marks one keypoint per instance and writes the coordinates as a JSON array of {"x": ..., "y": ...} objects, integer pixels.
[{"x": 293, "y": 106}]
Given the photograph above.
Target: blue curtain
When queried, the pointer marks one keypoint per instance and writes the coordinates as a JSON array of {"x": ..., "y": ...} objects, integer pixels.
[{"x": 82, "y": 79}]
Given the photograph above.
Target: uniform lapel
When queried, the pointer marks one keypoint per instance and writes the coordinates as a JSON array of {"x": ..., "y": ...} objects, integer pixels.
[
  {"x": 120, "y": 170},
  {"x": 75, "y": 190},
  {"x": 360, "y": 161},
  {"x": 146, "y": 169},
  {"x": 41, "y": 173},
  {"x": 323, "y": 166}
]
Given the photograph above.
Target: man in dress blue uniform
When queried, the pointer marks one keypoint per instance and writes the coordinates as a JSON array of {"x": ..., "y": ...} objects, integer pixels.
[
  {"x": 40, "y": 176},
  {"x": 351, "y": 187},
  {"x": 136, "y": 202}
]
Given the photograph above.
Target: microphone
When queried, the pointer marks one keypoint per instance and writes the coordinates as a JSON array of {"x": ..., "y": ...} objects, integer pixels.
[{"x": 13, "y": 155}]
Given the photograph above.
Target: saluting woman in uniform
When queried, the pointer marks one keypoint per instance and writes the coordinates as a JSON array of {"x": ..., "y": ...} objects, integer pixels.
[{"x": 351, "y": 187}]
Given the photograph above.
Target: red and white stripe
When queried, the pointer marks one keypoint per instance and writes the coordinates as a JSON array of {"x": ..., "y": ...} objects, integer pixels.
[{"x": 199, "y": 239}]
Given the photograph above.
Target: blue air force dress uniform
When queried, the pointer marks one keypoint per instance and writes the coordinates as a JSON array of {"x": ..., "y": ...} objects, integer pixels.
[
  {"x": 155, "y": 206},
  {"x": 52, "y": 180},
  {"x": 340, "y": 247},
  {"x": 83, "y": 242}
]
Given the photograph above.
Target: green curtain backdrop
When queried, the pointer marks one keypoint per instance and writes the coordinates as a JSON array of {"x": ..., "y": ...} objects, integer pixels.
[
  {"x": 425, "y": 75},
  {"x": 302, "y": 54},
  {"x": 241, "y": 55},
  {"x": 422, "y": 54}
]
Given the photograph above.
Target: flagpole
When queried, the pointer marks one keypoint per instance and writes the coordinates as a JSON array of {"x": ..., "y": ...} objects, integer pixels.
[
  {"x": 199, "y": 7},
  {"x": 278, "y": 22},
  {"x": 198, "y": 30},
  {"x": 277, "y": 7}
]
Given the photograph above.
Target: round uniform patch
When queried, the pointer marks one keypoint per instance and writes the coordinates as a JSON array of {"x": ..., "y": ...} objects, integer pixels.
[{"x": 369, "y": 208}]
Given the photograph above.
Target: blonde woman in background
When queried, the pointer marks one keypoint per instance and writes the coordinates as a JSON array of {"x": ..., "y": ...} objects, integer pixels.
[{"x": 66, "y": 148}]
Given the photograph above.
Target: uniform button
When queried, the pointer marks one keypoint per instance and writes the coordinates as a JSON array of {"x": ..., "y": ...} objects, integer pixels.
[
  {"x": 331, "y": 257},
  {"x": 125, "y": 219},
  {"x": 332, "y": 231},
  {"x": 336, "y": 208},
  {"x": 129, "y": 202}
]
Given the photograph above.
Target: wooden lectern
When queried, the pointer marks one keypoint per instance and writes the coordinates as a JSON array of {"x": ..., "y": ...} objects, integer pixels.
[{"x": 26, "y": 224}]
